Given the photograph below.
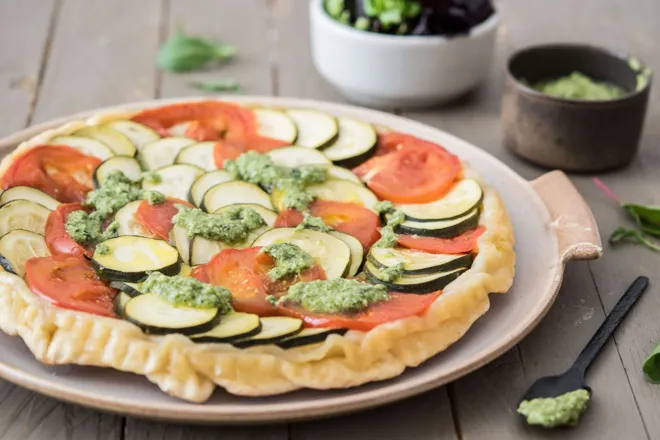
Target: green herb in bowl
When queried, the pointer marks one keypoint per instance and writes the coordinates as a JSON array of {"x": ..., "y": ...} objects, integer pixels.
[{"x": 579, "y": 86}]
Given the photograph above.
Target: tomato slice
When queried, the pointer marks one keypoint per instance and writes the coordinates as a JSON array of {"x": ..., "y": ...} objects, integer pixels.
[
  {"x": 230, "y": 149},
  {"x": 399, "y": 306},
  {"x": 393, "y": 141},
  {"x": 69, "y": 282},
  {"x": 418, "y": 173},
  {"x": 59, "y": 241},
  {"x": 466, "y": 242},
  {"x": 210, "y": 119},
  {"x": 60, "y": 171},
  {"x": 349, "y": 218},
  {"x": 158, "y": 218}
]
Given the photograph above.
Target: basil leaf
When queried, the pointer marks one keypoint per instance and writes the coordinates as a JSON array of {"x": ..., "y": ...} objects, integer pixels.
[
  {"x": 621, "y": 235},
  {"x": 219, "y": 85},
  {"x": 651, "y": 366},
  {"x": 183, "y": 52},
  {"x": 647, "y": 217}
]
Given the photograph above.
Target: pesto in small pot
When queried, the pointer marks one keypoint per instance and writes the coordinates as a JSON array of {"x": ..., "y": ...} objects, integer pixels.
[
  {"x": 579, "y": 86},
  {"x": 564, "y": 410}
]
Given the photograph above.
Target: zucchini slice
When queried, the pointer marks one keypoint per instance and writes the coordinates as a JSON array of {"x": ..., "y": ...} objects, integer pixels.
[
  {"x": 162, "y": 152},
  {"x": 202, "y": 249},
  {"x": 316, "y": 129},
  {"x": 85, "y": 145},
  {"x": 117, "y": 141},
  {"x": 339, "y": 173},
  {"x": 130, "y": 258},
  {"x": 268, "y": 215},
  {"x": 355, "y": 144},
  {"x": 441, "y": 228},
  {"x": 204, "y": 183},
  {"x": 31, "y": 194},
  {"x": 128, "y": 224},
  {"x": 130, "y": 289},
  {"x": 273, "y": 329},
  {"x": 120, "y": 304},
  {"x": 275, "y": 124},
  {"x": 18, "y": 246},
  {"x": 182, "y": 242},
  {"x": 309, "y": 336},
  {"x": 126, "y": 164},
  {"x": 293, "y": 157},
  {"x": 176, "y": 180},
  {"x": 235, "y": 191},
  {"x": 344, "y": 191},
  {"x": 357, "y": 251},
  {"x": 330, "y": 252},
  {"x": 23, "y": 214},
  {"x": 137, "y": 133},
  {"x": 185, "y": 271},
  {"x": 416, "y": 284},
  {"x": 418, "y": 263},
  {"x": 232, "y": 326},
  {"x": 159, "y": 317},
  {"x": 199, "y": 154},
  {"x": 464, "y": 197}
]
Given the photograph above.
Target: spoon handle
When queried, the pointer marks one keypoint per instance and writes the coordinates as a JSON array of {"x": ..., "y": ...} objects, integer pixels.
[{"x": 610, "y": 324}]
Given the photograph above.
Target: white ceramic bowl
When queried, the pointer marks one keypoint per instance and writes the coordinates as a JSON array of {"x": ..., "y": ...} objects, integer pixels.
[{"x": 393, "y": 71}]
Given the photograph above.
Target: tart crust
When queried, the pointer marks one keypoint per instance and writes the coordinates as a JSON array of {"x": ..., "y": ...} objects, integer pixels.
[{"x": 191, "y": 371}]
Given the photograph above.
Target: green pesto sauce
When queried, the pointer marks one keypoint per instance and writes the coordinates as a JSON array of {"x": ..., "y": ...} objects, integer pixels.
[
  {"x": 186, "y": 291},
  {"x": 102, "y": 249},
  {"x": 153, "y": 197},
  {"x": 117, "y": 190},
  {"x": 339, "y": 295},
  {"x": 231, "y": 226},
  {"x": 260, "y": 169},
  {"x": 289, "y": 260},
  {"x": 390, "y": 274},
  {"x": 87, "y": 228},
  {"x": 579, "y": 86},
  {"x": 312, "y": 222},
  {"x": 555, "y": 411},
  {"x": 387, "y": 235},
  {"x": 152, "y": 177}
]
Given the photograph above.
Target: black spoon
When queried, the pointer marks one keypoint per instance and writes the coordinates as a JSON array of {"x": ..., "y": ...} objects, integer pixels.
[{"x": 573, "y": 379}]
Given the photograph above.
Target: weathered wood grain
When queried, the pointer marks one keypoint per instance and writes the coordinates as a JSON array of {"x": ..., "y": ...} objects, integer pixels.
[
  {"x": 139, "y": 430},
  {"x": 24, "y": 31}
]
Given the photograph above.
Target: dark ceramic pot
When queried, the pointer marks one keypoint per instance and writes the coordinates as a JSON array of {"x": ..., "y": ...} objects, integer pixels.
[{"x": 573, "y": 135}]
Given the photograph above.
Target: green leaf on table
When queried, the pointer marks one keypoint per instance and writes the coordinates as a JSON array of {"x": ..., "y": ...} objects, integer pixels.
[
  {"x": 185, "y": 52},
  {"x": 218, "y": 85},
  {"x": 647, "y": 217},
  {"x": 622, "y": 235},
  {"x": 651, "y": 366}
]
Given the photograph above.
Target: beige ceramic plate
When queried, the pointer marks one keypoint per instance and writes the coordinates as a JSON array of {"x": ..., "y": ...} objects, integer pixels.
[{"x": 552, "y": 224}]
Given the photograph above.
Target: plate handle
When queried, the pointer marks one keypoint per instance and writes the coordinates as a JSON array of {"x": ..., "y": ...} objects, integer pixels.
[{"x": 576, "y": 227}]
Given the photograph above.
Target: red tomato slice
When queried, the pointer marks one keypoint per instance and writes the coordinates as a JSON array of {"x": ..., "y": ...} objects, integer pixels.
[
  {"x": 158, "y": 218},
  {"x": 59, "y": 241},
  {"x": 401, "y": 305},
  {"x": 394, "y": 141},
  {"x": 201, "y": 132},
  {"x": 230, "y": 149},
  {"x": 466, "y": 242},
  {"x": 69, "y": 282},
  {"x": 414, "y": 174},
  {"x": 60, "y": 171},
  {"x": 349, "y": 218},
  {"x": 211, "y": 119}
]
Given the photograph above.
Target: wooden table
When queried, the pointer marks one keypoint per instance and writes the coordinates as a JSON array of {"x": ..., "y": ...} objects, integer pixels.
[{"x": 63, "y": 56}]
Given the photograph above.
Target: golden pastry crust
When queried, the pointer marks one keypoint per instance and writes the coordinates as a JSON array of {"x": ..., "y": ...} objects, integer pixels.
[{"x": 191, "y": 371}]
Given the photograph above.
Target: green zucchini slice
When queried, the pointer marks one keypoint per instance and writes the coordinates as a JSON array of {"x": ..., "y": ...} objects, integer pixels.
[
  {"x": 463, "y": 198},
  {"x": 309, "y": 336},
  {"x": 440, "y": 228},
  {"x": 130, "y": 289},
  {"x": 128, "y": 224},
  {"x": 120, "y": 302},
  {"x": 273, "y": 329},
  {"x": 328, "y": 251},
  {"x": 416, "y": 284},
  {"x": 418, "y": 263},
  {"x": 18, "y": 246},
  {"x": 31, "y": 194},
  {"x": 232, "y": 192},
  {"x": 344, "y": 191},
  {"x": 275, "y": 124},
  {"x": 23, "y": 214},
  {"x": 339, "y": 173},
  {"x": 232, "y": 327},
  {"x": 355, "y": 144},
  {"x": 204, "y": 183},
  {"x": 182, "y": 242},
  {"x": 162, "y": 152},
  {"x": 316, "y": 129},
  {"x": 357, "y": 251},
  {"x": 176, "y": 180},
  {"x": 85, "y": 145},
  {"x": 199, "y": 154},
  {"x": 117, "y": 141},
  {"x": 138, "y": 134},
  {"x": 293, "y": 157},
  {"x": 130, "y": 258},
  {"x": 158, "y": 316},
  {"x": 126, "y": 164}
]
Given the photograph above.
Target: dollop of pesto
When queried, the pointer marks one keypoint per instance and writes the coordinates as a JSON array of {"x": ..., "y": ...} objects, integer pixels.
[
  {"x": 117, "y": 190},
  {"x": 260, "y": 169},
  {"x": 87, "y": 228},
  {"x": 579, "y": 86},
  {"x": 186, "y": 291},
  {"x": 394, "y": 218},
  {"x": 564, "y": 410},
  {"x": 339, "y": 295},
  {"x": 231, "y": 226},
  {"x": 102, "y": 249},
  {"x": 153, "y": 197},
  {"x": 151, "y": 177},
  {"x": 289, "y": 260},
  {"x": 390, "y": 274},
  {"x": 384, "y": 206},
  {"x": 312, "y": 222}
]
